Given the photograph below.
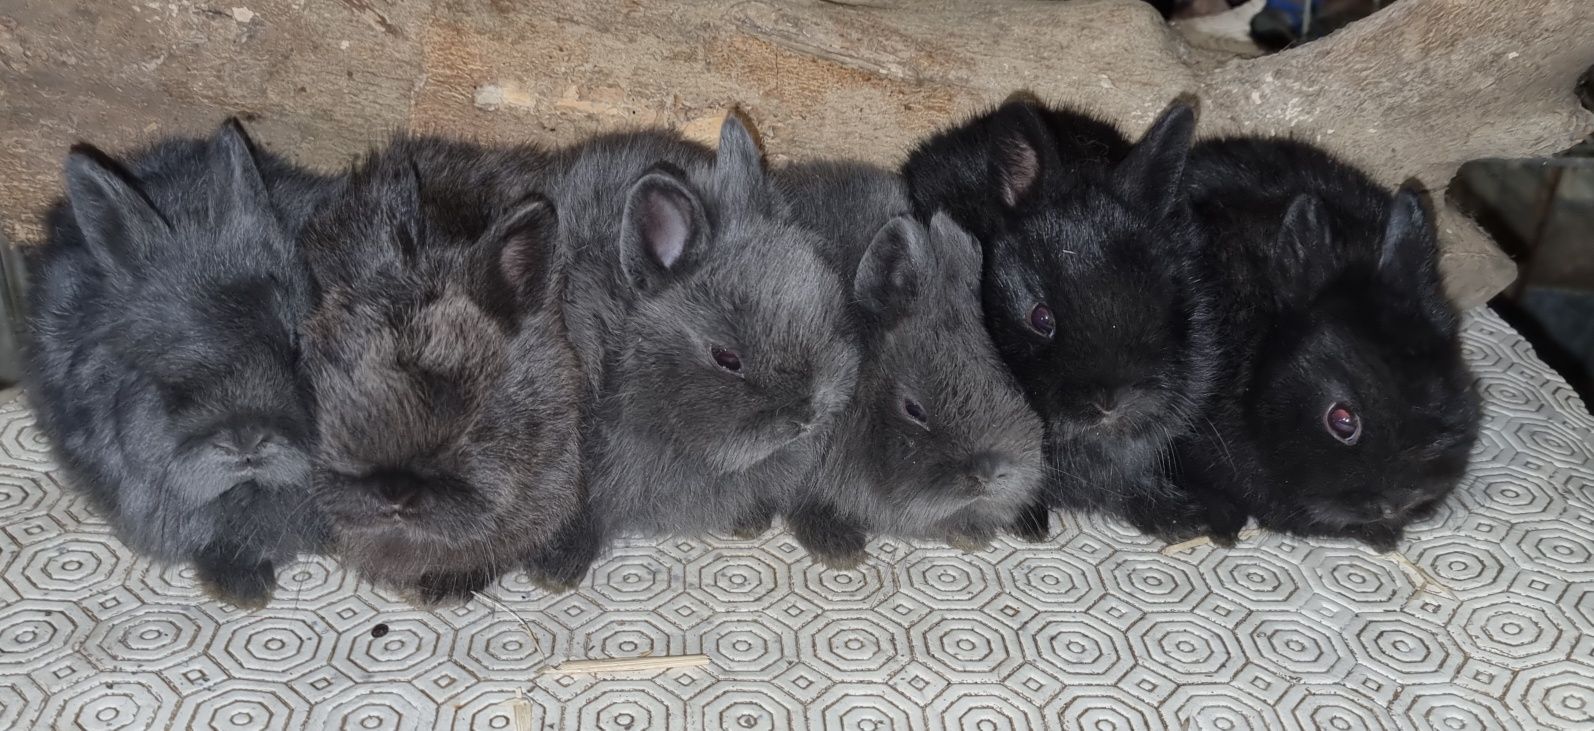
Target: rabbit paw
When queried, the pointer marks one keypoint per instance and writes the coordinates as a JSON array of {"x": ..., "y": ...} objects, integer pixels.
[
  {"x": 969, "y": 544},
  {"x": 752, "y": 526},
  {"x": 841, "y": 561},
  {"x": 246, "y": 587},
  {"x": 1033, "y": 525},
  {"x": 446, "y": 589}
]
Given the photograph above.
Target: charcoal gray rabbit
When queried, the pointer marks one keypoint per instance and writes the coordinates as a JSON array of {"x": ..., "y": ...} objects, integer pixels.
[
  {"x": 712, "y": 337},
  {"x": 1344, "y": 406},
  {"x": 447, "y": 393},
  {"x": 938, "y": 441},
  {"x": 163, "y": 312},
  {"x": 1091, "y": 294}
]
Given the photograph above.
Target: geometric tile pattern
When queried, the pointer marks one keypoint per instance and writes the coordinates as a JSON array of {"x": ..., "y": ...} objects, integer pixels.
[{"x": 1489, "y": 626}]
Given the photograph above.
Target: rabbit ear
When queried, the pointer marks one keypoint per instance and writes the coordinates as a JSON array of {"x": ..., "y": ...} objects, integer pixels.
[
  {"x": 1302, "y": 240},
  {"x": 1406, "y": 255},
  {"x": 1024, "y": 151},
  {"x": 738, "y": 162},
  {"x": 956, "y": 248},
  {"x": 233, "y": 158},
  {"x": 391, "y": 187},
  {"x": 664, "y": 229},
  {"x": 1152, "y": 175},
  {"x": 118, "y": 223},
  {"x": 523, "y": 237},
  {"x": 891, "y": 272}
]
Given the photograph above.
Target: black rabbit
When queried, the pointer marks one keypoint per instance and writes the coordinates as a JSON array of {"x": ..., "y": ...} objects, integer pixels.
[
  {"x": 1091, "y": 294},
  {"x": 712, "y": 336},
  {"x": 163, "y": 314},
  {"x": 938, "y": 441},
  {"x": 1344, "y": 407},
  {"x": 448, "y": 395}
]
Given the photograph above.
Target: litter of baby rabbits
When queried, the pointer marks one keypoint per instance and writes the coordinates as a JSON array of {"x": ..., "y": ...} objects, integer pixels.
[{"x": 453, "y": 361}]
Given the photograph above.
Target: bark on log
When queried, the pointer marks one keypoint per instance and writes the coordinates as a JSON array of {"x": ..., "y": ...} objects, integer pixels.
[{"x": 1415, "y": 90}]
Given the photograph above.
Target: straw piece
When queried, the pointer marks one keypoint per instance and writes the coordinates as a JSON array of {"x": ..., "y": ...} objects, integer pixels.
[
  {"x": 1419, "y": 577},
  {"x": 627, "y": 664}
]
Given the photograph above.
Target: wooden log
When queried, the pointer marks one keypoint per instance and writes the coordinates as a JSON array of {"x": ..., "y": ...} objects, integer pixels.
[{"x": 1412, "y": 91}]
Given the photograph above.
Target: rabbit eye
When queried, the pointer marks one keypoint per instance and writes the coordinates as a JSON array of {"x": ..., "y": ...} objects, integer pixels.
[
  {"x": 727, "y": 359},
  {"x": 1342, "y": 423},
  {"x": 915, "y": 411},
  {"x": 1040, "y": 320}
]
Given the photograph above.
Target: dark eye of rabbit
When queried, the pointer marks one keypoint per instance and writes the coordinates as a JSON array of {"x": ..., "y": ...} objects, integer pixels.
[
  {"x": 727, "y": 359},
  {"x": 915, "y": 412},
  {"x": 1040, "y": 320},
  {"x": 1342, "y": 423}
]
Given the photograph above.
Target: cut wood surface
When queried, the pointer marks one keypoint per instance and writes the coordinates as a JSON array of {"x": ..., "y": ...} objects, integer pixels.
[{"x": 1413, "y": 91}]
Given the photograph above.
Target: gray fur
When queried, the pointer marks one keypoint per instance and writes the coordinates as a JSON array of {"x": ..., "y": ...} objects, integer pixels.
[
  {"x": 967, "y": 470},
  {"x": 162, "y": 367},
  {"x": 448, "y": 394},
  {"x": 676, "y": 443}
]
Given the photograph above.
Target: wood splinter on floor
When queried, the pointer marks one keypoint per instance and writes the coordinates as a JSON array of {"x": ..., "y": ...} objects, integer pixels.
[
  {"x": 520, "y": 712},
  {"x": 626, "y": 664},
  {"x": 1419, "y": 577}
]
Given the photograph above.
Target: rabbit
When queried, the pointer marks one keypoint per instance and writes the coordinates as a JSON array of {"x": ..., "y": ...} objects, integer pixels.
[
  {"x": 447, "y": 392},
  {"x": 163, "y": 358},
  {"x": 1091, "y": 294},
  {"x": 1344, "y": 407},
  {"x": 713, "y": 340},
  {"x": 938, "y": 441}
]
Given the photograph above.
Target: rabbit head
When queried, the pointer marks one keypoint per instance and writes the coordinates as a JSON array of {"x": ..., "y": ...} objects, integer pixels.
[
  {"x": 1362, "y": 408},
  {"x": 1089, "y": 294},
  {"x": 734, "y": 347},
  {"x": 203, "y": 314},
  {"x": 425, "y": 289},
  {"x": 941, "y": 426}
]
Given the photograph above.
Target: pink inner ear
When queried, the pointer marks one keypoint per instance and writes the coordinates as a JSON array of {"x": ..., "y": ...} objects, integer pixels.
[
  {"x": 666, "y": 226},
  {"x": 1020, "y": 166}
]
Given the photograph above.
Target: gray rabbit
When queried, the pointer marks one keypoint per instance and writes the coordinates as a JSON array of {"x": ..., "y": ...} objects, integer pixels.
[
  {"x": 939, "y": 441},
  {"x": 163, "y": 361},
  {"x": 712, "y": 336},
  {"x": 447, "y": 393}
]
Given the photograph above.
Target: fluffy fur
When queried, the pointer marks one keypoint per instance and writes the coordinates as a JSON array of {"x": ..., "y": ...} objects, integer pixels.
[
  {"x": 711, "y": 334},
  {"x": 448, "y": 395},
  {"x": 163, "y": 359},
  {"x": 1331, "y": 295},
  {"x": 938, "y": 441},
  {"x": 1091, "y": 294}
]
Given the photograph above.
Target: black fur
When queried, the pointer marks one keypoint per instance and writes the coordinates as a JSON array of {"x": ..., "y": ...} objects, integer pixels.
[
  {"x": 1330, "y": 293},
  {"x": 163, "y": 315},
  {"x": 1073, "y": 217}
]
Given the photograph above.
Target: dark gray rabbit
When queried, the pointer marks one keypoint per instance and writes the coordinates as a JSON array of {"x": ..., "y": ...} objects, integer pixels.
[
  {"x": 711, "y": 334},
  {"x": 448, "y": 396},
  {"x": 1091, "y": 294},
  {"x": 1344, "y": 407},
  {"x": 163, "y": 363},
  {"x": 938, "y": 441}
]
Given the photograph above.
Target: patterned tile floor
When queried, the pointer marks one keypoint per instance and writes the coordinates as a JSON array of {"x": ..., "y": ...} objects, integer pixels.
[{"x": 1099, "y": 630}]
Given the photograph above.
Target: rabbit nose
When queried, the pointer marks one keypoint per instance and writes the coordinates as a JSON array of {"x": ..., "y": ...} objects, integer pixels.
[
  {"x": 399, "y": 496},
  {"x": 988, "y": 468},
  {"x": 1108, "y": 401},
  {"x": 244, "y": 442},
  {"x": 805, "y": 417}
]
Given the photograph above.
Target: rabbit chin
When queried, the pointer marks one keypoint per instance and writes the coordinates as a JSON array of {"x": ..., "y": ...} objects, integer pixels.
[
  {"x": 398, "y": 545},
  {"x": 203, "y": 475}
]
